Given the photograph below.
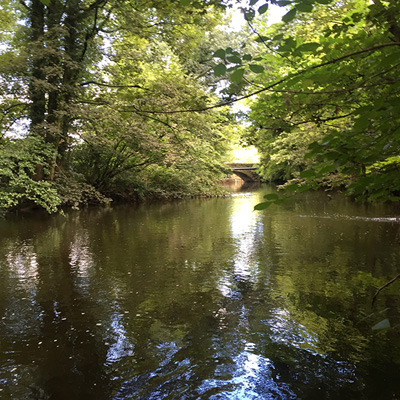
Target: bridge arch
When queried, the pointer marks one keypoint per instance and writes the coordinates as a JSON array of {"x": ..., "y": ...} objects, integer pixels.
[{"x": 247, "y": 172}]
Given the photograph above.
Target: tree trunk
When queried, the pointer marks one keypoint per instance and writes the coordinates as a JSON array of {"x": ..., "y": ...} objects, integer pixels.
[{"x": 36, "y": 87}]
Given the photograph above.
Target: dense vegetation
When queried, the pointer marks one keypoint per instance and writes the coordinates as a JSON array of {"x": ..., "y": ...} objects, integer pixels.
[
  {"x": 84, "y": 87},
  {"x": 107, "y": 99},
  {"x": 327, "y": 111}
]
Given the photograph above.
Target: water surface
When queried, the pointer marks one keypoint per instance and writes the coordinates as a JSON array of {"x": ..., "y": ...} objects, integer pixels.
[{"x": 201, "y": 299}]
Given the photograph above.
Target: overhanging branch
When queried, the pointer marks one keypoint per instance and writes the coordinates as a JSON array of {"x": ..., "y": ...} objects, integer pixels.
[
  {"x": 383, "y": 287},
  {"x": 272, "y": 85},
  {"x": 112, "y": 86}
]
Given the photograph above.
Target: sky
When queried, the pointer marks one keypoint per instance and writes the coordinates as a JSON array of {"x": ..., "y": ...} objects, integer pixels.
[{"x": 274, "y": 15}]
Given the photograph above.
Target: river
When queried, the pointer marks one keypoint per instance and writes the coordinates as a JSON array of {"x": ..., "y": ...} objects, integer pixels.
[{"x": 202, "y": 299}]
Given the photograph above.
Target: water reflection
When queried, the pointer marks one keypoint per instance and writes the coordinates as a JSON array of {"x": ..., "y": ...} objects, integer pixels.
[
  {"x": 23, "y": 266},
  {"x": 80, "y": 255},
  {"x": 245, "y": 229},
  {"x": 119, "y": 345},
  {"x": 201, "y": 299}
]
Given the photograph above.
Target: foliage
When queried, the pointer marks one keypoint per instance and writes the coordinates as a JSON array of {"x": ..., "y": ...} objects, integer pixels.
[
  {"x": 92, "y": 82},
  {"x": 124, "y": 133},
  {"x": 18, "y": 168},
  {"x": 326, "y": 110},
  {"x": 123, "y": 95}
]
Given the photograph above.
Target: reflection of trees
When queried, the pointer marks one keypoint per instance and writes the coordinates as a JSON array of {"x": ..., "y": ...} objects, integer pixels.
[
  {"x": 325, "y": 270},
  {"x": 104, "y": 301},
  {"x": 55, "y": 349},
  {"x": 193, "y": 298}
]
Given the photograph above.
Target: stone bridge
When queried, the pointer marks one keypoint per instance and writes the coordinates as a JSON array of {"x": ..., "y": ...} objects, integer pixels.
[{"x": 247, "y": 172}]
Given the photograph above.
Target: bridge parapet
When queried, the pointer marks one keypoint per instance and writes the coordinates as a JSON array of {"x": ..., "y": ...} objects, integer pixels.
[{"x": 242, "y": 165}]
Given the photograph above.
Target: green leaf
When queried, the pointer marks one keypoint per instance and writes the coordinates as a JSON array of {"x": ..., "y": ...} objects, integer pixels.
[
  {"x": 323, "y": 1},
  {"x": 384, "y": 324},
  {"x": 304, "y": 188},
  {"x": 322, "y": 78},
  {"x": 258, "y": 69},
  {"x": 220, "y": 53},
  {"x": 261, "y": 39},
  {"x": 45, "y": 2},
  {"x": 307, "y": 174},
  {"x": 285, "y": 47},
  {"x": 237, "y": 75},
  {"x": 294, "y": 80},
  {"x": 220, "y": 70},
  {"x": 390, "y": 59},
  {"x": 252, "y": 2},
  {"x": 289, "y": 16},
  {"x": 271, "y": 197},
  {"x": 307, "y": 83},
  {"x": 234, "y": 59},
  {"x": 304, "y": 7},
  {"x": 263, "y": 9},
  {"x": 361, "y": 123},
  {"x": 185, "y": 2},
  {"x": 314, "y": 146},
  {"x": 327, "y": 168},
  {"x": 291, "y": 42},
  {"x": 278, "y": 37},
  {"x": 291, "y": 188},
  {"x": 262, "y": 206},
  {"x": 247, "y": 57},
  {"x": 308, "y": 47},
  {"x": 332, "y": 155},
  {"x": 249, "y": 15}
]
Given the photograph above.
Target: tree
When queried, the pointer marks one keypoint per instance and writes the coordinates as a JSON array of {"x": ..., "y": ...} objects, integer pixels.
[
  {"x": 329, "y": 75},
  {"x": 81, "y": 82}
]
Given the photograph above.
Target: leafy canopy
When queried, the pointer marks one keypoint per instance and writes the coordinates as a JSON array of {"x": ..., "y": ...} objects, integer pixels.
[{"x": 324, "y": 89}]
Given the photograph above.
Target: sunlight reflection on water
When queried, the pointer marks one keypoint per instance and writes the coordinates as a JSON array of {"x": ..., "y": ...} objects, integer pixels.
[
  {"x": 200, "y": 300},
  {"x": 251, "y": 379}
]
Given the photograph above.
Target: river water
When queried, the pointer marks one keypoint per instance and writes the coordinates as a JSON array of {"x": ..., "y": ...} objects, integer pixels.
[{"x": 202, "y": 299}]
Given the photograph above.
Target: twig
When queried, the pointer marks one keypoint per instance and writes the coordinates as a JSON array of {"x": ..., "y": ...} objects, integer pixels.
[
  {"x": 264, "y": 42},
  {"x": 383, "y": 287}
]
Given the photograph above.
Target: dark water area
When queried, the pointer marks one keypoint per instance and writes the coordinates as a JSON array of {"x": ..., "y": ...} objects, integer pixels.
[{"x": 202, "y": 299}]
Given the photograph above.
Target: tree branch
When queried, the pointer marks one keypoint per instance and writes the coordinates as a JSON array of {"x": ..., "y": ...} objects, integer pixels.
[
  {"x": 339, "y": 91},
  {"x": 112, "y": 86},
  {"x": 383, "y": 287},
  {"x": 318, "y": 120},
  {"x": 151, "y": 118},
  {"x": 6, "y": 110},
  {"x": 227, "y": 103}
]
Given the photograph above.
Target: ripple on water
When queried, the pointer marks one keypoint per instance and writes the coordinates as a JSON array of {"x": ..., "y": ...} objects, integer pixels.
[
  {"x": 248, "y": 376},
  {"x": 252, "y": 377}
]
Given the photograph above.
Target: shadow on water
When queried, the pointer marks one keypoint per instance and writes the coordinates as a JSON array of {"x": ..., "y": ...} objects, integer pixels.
[{"x": 201, "y": 299}]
